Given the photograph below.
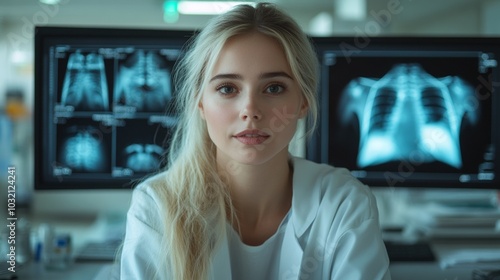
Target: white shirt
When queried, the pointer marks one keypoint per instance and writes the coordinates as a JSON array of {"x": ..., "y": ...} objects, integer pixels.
[
  {"x": 256, "y": 262},
  {"x": 333, "y": 231}
]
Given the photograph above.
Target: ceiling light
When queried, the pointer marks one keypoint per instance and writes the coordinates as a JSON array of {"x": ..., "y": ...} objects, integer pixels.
[
  {"x": 50, "y": 2},
  {"x": 208, "y": 7}
]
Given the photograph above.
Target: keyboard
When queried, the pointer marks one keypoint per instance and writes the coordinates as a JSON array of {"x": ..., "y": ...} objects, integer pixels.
[
  {"x": 409, "y": 252},
  {"x": 99, "y": 251}
]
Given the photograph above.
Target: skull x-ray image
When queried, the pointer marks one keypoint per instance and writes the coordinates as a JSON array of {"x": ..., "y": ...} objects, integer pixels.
[
  {"x": 83, "y": 148},
  {"x": 143, "y": 81},
  {"x": 85, "y": 84},
  {"x": 408, "y": 111}
]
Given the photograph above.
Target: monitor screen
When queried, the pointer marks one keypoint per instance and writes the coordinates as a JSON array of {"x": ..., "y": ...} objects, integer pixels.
[
  {"x": 410, "y": 112},
  {"x": 103, "y": 97}
]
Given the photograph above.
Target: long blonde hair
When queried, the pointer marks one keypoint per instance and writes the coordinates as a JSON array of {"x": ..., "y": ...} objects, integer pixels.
[{"x": 197, "y": 204}]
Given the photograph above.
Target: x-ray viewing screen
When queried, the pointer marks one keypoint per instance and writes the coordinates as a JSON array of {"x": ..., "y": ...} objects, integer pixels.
[
  {"x": 104, "y": 106},
  {"x": 411, "y": 118}
]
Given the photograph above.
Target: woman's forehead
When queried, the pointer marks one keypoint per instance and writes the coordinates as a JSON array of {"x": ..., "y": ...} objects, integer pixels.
[{"x": 252, "y": 51}]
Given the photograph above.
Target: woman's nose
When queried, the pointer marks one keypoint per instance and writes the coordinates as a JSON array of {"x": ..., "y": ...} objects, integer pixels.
[{"x": 250, "y": 108}]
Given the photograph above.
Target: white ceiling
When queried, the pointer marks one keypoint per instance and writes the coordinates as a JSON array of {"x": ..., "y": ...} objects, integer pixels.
[
  {"x": 141, "y": 13},
  {"x": 414, "y": 9}
]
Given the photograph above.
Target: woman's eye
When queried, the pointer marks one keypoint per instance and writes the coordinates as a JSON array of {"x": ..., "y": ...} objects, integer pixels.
[
  {"x": 226, "y": 89},
  {"x": 275, "y": 89}
]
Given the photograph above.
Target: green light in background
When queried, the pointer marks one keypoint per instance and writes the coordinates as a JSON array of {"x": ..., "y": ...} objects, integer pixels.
[{"x": 170, "y": 11}]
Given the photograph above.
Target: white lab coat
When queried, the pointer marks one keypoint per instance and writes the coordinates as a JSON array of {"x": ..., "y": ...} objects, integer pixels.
[{"x": 333, "y": 231}]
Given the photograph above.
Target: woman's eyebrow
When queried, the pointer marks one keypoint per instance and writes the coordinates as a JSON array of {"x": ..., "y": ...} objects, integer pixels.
[
  {"x": 275, "y": 74},
  {"x": 226, "y": 76},
  {"x": 262, "y": 76}
]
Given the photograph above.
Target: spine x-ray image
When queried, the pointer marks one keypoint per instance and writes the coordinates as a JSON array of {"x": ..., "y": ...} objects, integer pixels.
[
  {"x": 408, "y": 111},
  {"x": 143, "y": 81},
  {"x": 85, "y": 85}
]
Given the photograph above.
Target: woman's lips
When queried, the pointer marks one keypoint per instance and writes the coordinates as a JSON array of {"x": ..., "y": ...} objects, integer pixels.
[{"x": 252, "y": 137}]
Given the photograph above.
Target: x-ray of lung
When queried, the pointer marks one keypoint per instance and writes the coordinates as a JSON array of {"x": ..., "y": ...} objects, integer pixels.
[
  {"x": 408, "y": 111},
  {"x": 83, "y": 148},
  {"x": 85, "y": 84},
  {"x": 430, "y": 111},
  {"x": 109, "y": 108},
  {"x": 143, "y": 81},
  {"x": 143, "y": 152}
]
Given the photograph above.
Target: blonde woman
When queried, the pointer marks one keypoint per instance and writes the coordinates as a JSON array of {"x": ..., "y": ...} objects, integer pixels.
[{"x": 233, "y": 203}]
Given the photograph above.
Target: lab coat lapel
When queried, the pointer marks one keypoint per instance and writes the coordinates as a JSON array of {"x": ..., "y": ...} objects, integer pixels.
[
  {"x": 291, "y": 255},
  {"x": 221, "y": 266}
]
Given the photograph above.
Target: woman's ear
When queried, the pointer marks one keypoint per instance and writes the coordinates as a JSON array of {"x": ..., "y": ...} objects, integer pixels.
[
  {"x": 200, "y": 108},
  {"x": 304, "y": 108}
]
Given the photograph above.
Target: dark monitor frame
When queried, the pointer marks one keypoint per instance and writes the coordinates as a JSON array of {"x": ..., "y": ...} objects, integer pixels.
[
  {"x": 317, "y": 149},
  {"x": 44, "y": 37}
]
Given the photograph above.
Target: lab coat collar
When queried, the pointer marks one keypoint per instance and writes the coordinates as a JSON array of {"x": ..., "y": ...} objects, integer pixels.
[
  {"x": 221, "y": 262},
  {"x": 291, "y": 255},
  {"x": 306, "y": 199}
]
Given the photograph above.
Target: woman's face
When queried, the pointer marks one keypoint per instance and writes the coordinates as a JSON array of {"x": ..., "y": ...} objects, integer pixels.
[{"x": 252, "y": 102}]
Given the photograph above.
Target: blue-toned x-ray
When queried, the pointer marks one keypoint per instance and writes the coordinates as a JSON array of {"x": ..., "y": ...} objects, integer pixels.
[
  {"x": 144, "y": 152},
  {"x": 143, "y": 158},
  {"x": 143, "y": 82},
  {"x": 85, "y": 86},
  {"x": 83, "y": 150},
  {"x": 408, "y": 111}
]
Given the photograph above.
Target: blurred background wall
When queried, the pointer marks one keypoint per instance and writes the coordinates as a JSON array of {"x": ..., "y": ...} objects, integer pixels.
[{"x": 363, "y": 18}]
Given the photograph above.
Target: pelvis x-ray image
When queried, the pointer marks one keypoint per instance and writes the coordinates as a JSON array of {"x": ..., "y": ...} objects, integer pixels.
[
  {"x": 143, "y": 157},
  {"x": 143, "y": 81},
  {"x": 83, "y": 149},
  {"x": 85, "y": 86},
  {"x": 408, "y": 111},
  {"x": 140, "y": 152}
]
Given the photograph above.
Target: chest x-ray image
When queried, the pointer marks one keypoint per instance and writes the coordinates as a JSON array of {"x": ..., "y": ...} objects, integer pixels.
[
  {"x": 83, "y": 148},
  {"x": 143, "y": 81},
  {"x": 85, "y": 84},
  {"x": 408, "y": 112}
]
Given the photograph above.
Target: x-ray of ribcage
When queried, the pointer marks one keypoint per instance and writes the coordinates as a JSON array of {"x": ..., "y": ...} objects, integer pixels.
[
  {"x": 144, "y": 82},
  {"x": 85, "y": 86},
  {"x": 406, "y": 112},
  {"x": 83, "y": 151},
  {"x": 143, "y": 158}
]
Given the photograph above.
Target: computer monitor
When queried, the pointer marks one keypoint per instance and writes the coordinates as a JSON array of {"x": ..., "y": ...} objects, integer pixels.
[
  {"x": 103, "y": 108},
  {"x": 410, "y": 112}
]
